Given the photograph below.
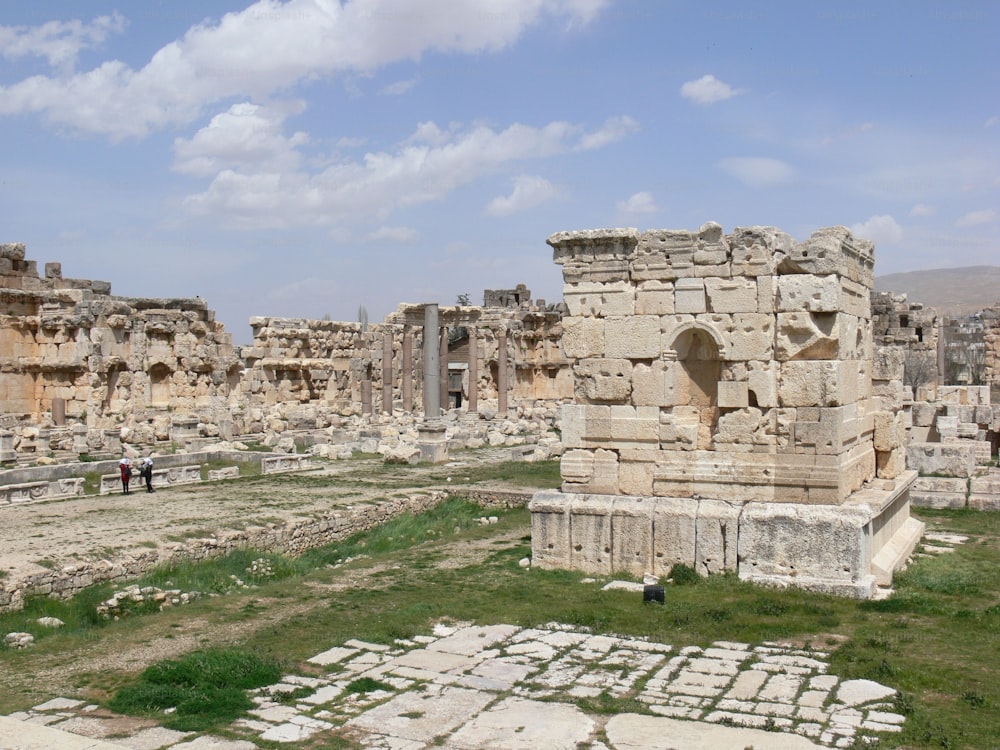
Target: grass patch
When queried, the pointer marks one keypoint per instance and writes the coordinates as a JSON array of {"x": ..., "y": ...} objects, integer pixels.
[{"x": 202, "y": 691}]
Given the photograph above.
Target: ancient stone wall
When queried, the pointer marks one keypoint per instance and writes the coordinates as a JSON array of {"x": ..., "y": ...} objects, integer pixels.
[
  {"x": 730, "y": 412},
  {"x": 699, "y": 358},
  {"x": 84, "y": 371}
]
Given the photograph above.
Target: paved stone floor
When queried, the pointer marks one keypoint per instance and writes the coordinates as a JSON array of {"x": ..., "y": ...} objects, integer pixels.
[{"x": 506, "y": 687}]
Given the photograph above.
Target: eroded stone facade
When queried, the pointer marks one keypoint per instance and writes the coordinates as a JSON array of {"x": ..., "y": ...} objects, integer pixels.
[{"x": 729, "y": 410}]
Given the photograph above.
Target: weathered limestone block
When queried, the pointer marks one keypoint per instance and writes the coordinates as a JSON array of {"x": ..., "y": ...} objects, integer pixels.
[
  {"x": 550, "y": 523},
  {"x": 689, "y": 296},
  {"x": 802, "y": 292},
  {"x": 807, "y": 335},
  {"x": 809, "y": 383},
  {"x": 653, "y": 384},
  {"x": 984, "y": 491},
  {"x": 717, "y": 529},
  {"x": 583, "y": 337},
  {"x": 731, "y": 295},
  {"x": 890, "y": 464},
  {"x": 762, "y": 383},
  {"x": 674, "y": 533},
  {"x": 940, "y": 492},
  {"x": 833, "y": 250},
  {"x": 817, "y": 546},
  {"x": 890, "y": 432},
  {"x": 757, "y": 250},
  {"x": 947, "y": 427},
  {"x": 594, "y": 255},
  {"x": 590, "y": 471},
  {"x": 590, "y": 299},
  {"x": 635, "y": 471},
  {"x": 634, "y": 427},
  {"x": 590, "y": 533},
  {"x": 603, "y": 380},
  {"x": 945, "y": 459},
  {"x": 664, "y": 255},
  {"x": 679, "y": 428},
  {"x": 636, "y": 337},
  {"x": 767, "y": 290},
  {"x": 733, "y": 395},
  {"x": 745, "y": 427},
  {"x": 632, "y": 532},
  {"x": 752, "y": 337},
  {"x": 654, "y": 297},
  {"x": 887, "y": 363}
]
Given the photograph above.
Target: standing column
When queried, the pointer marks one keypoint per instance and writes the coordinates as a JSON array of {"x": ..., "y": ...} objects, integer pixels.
[
  {"x": 366, "y": 394},
  {"x": 444, "y": 370},
  {"x": 387, "y": 370},
  {"x": 473, "y": 372},
  {"x": 432, "y": 357},
  {"x": 407, "y": 373},
  {"x": 502, "y": 373}
]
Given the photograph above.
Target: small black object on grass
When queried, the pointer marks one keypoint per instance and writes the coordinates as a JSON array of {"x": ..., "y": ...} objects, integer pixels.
[{"x": 653, "y": 593}]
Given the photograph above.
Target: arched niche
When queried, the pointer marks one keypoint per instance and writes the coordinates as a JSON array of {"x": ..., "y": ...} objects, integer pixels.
[
  {"x": 698, "y": 350},
  {"x": 159, "y": 385}
]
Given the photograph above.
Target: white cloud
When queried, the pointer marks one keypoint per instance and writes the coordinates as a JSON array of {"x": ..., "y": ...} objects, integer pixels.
[
  {"x": 247, "y": 134},
  {"x": 60, "y": 42},
  {"x": 973, "y": 218},
  {"x": 264, "y": 192},
  {"x": 398, "y": 88},
  {"x": 529, "y": 191},
  {"x": 708, "y": 90},
  {"x": 922, "y": 209},
  {"x": 614, "y": 129},
  {"x": 303, "y": 39},
  {"x": 638, "y": 203},
  {"x": 993, "y": 121},
  {"x": 758, "y": 172},
  {"x": 393, "y": 234},
  {"x": 880, "y": 229}
]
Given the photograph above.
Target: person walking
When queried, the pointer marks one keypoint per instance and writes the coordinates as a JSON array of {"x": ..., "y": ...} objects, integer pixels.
[
  {"x": 125, "y": 467},
  {"x": 147, "y": 473}
]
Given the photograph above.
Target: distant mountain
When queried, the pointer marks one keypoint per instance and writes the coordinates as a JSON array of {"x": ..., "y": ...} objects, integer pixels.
[{"x": 952, "y": 291}]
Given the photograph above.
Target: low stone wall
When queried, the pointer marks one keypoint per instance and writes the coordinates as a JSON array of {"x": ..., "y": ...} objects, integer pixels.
[
  {"x": 111, "y": 483},
  {"x": 292, "y": 538},
  {"x": 28, "y": 492},
  {"x": 984, "y": 491}
]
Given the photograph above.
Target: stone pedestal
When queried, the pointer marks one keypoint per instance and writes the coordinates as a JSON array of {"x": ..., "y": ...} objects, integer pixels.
[
  {"x": 113, "y": 441},
  {"x": 7, "y": 452},
  {"x": 80, "y": 444},
  {"x": 432, "y": 442},
  {"x": 183, "y": 428},
  {"x": 845, "y": 550}
]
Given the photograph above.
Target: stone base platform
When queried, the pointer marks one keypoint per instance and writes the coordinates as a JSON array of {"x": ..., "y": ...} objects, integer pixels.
[{"x": 845, "y": 549}]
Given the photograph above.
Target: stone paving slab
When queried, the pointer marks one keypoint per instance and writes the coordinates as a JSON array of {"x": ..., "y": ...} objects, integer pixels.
[{"x": 469, "y": 687}]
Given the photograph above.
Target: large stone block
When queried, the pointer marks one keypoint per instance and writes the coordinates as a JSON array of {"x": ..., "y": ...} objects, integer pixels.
[
  {"x": 890, "y": 433},
  {"x": 887, "y": 363},
  {"x": 717, "y": 528},
  {"x": 603, "y": 380},
  {"x": 636, "y": 337},
  {"x": 634, "y": 427},
  {"x": 654, "y": 297},
  {"x": 733, "y": 395},
  {"x": 674, "y": 533},
  {"x": 803, "y": 292},
  {"x": 635, "y": 472},
  {"x": 550, "y": 523},
  {"x": 664, "y": 255},
  {"x": 689, "y": 296},
  {"x": 807, "y": 335},
  {"x": 592, "y": 299},
  {"x": 762, "y": 382},
  {"x": 653, "y": 384},
  {"x": 943, "y": 459},
  {"x": 582, "y": 337},
  {"x": 731, "y": 295},
  {"x": 752, "y": 337},
  {"x": 632, "y": 534},
  {"x": 940, "y": 492},
  {"x": 590, "y": 534},
  {"x": 757, "y": 250},
  {"x": 816, "y": 546}
]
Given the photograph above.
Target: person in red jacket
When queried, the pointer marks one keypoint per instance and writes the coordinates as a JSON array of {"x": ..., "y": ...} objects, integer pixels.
[{"x": 125, "y": 467}]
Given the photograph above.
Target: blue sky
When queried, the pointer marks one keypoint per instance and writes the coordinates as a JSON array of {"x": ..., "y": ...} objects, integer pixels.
[{"x": 306, "y": 157}]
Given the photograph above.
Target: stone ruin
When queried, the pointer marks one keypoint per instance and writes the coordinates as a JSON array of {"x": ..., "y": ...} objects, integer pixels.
[
  {"x": 729, "y": 411},
  {"x": 85, "y": 371}
]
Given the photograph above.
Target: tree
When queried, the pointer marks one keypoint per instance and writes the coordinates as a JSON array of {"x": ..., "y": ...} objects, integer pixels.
[
  {"x": 919, "y": 368},
  {"x": 463, "y": 300}
]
